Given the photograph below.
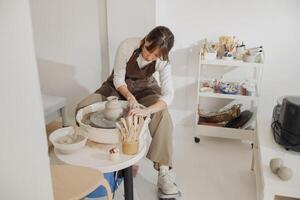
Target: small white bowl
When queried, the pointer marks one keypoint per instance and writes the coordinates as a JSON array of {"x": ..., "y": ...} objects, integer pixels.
[
  {"x": 66, "y": 148},
  {"x": 227, "y": 57},
  {"x": 207, "y": 90},
  {"x": 249, "y": 58},
  {"x": 114, "y": 156}
]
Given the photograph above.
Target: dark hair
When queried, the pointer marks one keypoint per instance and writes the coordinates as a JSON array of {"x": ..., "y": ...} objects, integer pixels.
[{"x": 160, "y": 37}]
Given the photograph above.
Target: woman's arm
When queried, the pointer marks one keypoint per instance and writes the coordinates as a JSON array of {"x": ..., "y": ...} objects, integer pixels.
[
  {"x": 156, "y": 107},
  {"x": 128, "y": 95},
  {"x": 165, "y": 76},
  {"x": 166, "y": 82},
  {"x": 123, "y": 53}
]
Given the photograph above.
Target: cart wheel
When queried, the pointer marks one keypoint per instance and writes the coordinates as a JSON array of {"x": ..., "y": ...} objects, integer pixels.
[{"x": 196, "y": 139}]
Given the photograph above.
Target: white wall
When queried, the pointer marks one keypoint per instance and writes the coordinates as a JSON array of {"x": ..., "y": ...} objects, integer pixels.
[
  {"x": 25, "y": 167},
  {"x": 102, "y": 16},
  {"x": 273, "y": 24},
  {"x": 130, "y": 18},
  {"x": 67, "y": 38}
]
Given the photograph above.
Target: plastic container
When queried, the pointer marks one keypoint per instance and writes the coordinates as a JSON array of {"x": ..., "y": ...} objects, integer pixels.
[{"x": 113, "y": 181}]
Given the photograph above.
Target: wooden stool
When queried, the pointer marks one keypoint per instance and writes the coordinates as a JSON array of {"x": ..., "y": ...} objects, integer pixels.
[{"x": 74, "y": 182}]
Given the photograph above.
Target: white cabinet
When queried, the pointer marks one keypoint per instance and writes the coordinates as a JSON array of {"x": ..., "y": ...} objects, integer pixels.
[
  {"x": 268, "y": 185},
  {"x": 226, "y": 70}
]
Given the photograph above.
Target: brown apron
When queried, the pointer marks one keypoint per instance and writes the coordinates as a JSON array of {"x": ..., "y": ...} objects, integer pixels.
[{"x": 140, "y": 82}]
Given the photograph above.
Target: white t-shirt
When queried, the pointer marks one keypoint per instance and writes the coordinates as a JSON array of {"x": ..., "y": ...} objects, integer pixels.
[{"x": 124, "y": 53}]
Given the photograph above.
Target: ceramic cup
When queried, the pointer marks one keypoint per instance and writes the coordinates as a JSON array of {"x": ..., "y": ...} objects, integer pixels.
[
  {"x": 114, "y": 156},
  {"x": 240, "y": 50},
  {"x": 210, "y": 56},
  {"x": 130, "y": 148}
]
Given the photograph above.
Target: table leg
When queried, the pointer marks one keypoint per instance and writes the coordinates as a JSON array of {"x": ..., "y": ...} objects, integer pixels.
[
  {"x": 253, "y": 160},
  {"x": 128, "y": 183}
]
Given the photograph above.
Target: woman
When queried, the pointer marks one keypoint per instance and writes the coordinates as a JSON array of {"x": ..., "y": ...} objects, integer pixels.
[{"x": 132, "y": 80}]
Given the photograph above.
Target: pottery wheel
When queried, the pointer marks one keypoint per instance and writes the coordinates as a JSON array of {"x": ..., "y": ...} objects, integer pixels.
[{"x": 98, "y": 120}]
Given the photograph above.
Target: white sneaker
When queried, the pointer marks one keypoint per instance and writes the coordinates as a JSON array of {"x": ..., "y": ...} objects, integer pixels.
[{"x": 166, "y": 183}]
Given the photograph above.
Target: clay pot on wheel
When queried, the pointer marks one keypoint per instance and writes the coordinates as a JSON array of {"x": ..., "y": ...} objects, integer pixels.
[{"x": 113, "y": 109}]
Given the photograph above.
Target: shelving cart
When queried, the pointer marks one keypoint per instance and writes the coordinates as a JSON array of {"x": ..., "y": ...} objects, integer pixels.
[{"x": 247, "y": 132}]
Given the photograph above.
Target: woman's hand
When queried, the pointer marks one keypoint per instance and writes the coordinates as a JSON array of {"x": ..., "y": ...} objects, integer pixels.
[
  {"x": 132, "y": 102},
  {"x": 156, "y": 107},
  {"x": 140, "y": 112}
]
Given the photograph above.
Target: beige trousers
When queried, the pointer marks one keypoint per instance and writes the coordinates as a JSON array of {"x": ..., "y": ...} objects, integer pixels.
[{"x": 161, "y": 129}]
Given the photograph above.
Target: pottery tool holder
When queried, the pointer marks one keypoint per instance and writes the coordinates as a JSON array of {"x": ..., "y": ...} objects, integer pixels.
[{"x": 132, "y": 127}]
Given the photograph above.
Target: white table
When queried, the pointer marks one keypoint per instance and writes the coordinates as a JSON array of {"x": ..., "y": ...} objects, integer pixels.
[
  {"x": 54, "y": 107},
  {"x": 96, "y": 156},
  {"x": 265, "y": 148}
]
